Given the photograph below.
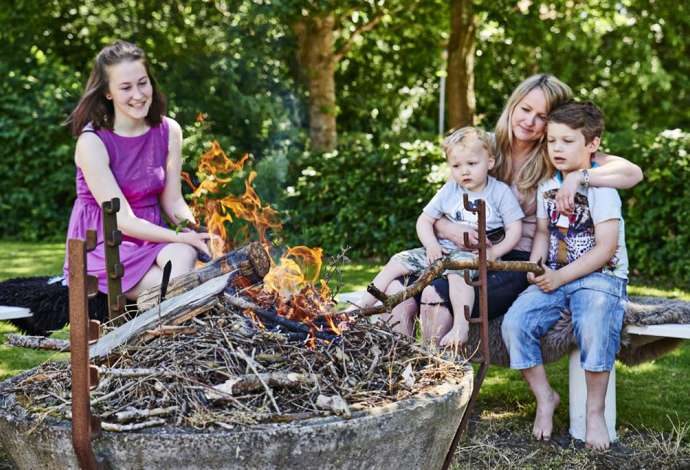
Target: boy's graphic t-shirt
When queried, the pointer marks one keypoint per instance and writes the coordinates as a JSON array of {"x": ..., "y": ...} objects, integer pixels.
[
  {"x": 502, "y": 207},
  {"x": 571, "y": 236}
]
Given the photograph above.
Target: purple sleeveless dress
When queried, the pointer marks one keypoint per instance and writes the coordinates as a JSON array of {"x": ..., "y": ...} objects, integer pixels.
[{"x": 138, "y": 164}]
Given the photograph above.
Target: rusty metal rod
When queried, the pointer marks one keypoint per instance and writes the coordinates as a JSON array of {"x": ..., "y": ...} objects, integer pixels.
[
  {"x": 79, "y": 355},
  {"x": 112, "y": 240}
]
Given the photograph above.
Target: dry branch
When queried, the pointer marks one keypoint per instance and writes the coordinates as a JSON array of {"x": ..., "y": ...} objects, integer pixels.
[
  {"x": 131, "y": 373},
  {"x": 131, "y": 427},
  {"x": 171, "y": 330},
  {"x": 129, "y": 415},
  {"x": 434, "y": 271},
  {"x": 37, "y": 342},
  {"x": 255, "y": 382}
]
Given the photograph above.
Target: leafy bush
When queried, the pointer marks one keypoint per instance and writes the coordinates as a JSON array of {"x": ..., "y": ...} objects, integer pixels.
[
  {"x": 36, "y": 165},
  {"x": 656, "y": 211},
  {"x": 365, "y": 195}
]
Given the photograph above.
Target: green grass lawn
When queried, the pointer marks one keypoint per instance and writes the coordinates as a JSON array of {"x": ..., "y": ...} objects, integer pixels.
[{"x": 654, "y": 395}]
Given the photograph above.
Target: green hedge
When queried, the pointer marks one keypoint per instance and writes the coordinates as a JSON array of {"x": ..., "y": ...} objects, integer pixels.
[
  {"x": 365, "y": 196},
  {"x": 657, "y": 211},
  {"x": 36, "y": 153}
]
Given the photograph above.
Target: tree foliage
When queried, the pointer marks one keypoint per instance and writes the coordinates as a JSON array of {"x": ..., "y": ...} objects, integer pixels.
[{"x": 237, "y": 63}]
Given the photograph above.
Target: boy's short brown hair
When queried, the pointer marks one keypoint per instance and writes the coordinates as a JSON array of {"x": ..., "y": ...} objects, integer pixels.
[
  {"x": 457, "y": 135},
  {"x": 585, "y": 117}
]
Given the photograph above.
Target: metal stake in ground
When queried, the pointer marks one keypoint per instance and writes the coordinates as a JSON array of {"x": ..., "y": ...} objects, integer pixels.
[
  {"x": 479, "y": 207},
  {"x": 115, "y": 270},
  {"x": 84, "y": 376}
]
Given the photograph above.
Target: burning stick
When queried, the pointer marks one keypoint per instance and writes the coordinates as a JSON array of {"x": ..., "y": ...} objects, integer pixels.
[
  {"x": 431, "y": 273},
  {"x": 271, "y": 317}
]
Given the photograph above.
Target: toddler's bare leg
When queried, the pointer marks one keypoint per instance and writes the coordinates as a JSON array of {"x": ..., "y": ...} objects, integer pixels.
[
  {"x": 403, "y": 315},
  {"x": 460, "y": 295},
  {"x": 391, "y": 271},
  {"x": 597, "y": 434}
]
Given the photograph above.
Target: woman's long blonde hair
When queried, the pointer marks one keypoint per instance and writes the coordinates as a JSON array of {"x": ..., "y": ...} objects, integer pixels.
[{"x": 537, "y": 166}]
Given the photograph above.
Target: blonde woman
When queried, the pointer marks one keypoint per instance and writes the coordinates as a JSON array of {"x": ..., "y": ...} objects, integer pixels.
[{"x": 521, "y": 162}]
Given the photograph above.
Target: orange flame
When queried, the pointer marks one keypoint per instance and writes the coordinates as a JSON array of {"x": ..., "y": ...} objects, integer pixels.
[
  {"x": 216, "y": 161},
  {"x": 331, "y": 325},
  {"x": 250, "y": 208},
  {"x": 298, "y": 267},
  {"x": 216, "y": 168}
]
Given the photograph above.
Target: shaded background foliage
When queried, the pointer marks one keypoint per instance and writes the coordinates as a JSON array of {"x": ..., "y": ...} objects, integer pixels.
[{"x": 235, "y": 62}]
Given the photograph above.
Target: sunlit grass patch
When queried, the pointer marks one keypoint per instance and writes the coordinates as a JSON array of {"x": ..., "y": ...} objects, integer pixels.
[{"x": 19, "y": 259}]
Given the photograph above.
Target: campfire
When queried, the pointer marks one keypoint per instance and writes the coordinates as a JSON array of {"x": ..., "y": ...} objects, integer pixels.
[{"x": 244, "y": 352}]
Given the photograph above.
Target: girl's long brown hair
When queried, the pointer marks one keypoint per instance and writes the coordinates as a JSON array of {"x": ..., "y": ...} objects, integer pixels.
[{"x": 94, "y": 107}]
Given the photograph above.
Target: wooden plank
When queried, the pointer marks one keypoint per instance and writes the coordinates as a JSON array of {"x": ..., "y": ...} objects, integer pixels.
[
  {"x": 164, "y": 313},
  {"x": 666, "y": 330},
  {"x": 8, "y": 313}
]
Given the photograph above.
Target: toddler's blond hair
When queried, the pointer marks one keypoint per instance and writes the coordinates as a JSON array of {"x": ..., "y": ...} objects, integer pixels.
[{"x": 459, "y": 134}]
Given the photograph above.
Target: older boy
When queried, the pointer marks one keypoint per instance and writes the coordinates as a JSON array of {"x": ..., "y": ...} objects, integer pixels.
[{"x": 586, "y": 272}]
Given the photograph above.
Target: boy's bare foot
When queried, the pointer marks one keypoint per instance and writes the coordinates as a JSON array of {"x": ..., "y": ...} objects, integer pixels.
[
  {"x": 597, "y": 434},
  {"x": 543, "y": 421}
]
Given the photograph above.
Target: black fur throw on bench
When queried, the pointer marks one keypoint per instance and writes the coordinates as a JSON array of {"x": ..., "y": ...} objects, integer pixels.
[{"x": 49, "y": 303}]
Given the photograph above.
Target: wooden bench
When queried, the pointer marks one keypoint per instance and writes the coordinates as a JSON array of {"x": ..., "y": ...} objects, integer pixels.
[
  {"x": 9, "y": 313},
  {"x": 577, "y": 388}
]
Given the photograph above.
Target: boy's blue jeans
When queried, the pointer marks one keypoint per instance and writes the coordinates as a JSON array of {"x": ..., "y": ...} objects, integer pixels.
[{"x": 597, "y": 304}]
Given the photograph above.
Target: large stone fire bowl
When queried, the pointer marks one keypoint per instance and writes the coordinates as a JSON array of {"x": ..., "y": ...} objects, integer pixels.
[{"x": 412, "y": 433}]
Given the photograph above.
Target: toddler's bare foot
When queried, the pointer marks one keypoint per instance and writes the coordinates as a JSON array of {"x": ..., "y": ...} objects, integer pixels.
[
  {"x": 597, "y": 434},
  {"x": 543, "y": 421}
]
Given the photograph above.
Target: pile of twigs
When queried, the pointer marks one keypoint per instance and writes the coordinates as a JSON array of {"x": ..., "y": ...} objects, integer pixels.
[{"x": 223, "y": 370}]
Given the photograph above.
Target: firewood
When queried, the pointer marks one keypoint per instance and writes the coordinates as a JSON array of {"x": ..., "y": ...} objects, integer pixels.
[
  {"x": 334, "y": 403},
  {"x": 114, "y": 427},
  {"x": 37, "y": 342},
  {"x": 132, "y": 373},
  {"x": 171, "y": 330},
  {"x": 250, "y": 261}
]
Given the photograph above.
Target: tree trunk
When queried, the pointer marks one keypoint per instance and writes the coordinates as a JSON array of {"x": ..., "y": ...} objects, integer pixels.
[
  {"x": 316, "y": 56},
  {"x": 461, "y": 48}
]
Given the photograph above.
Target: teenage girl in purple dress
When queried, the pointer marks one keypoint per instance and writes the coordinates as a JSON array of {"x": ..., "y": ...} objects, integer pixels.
[{"x": 127, "y": 148}]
